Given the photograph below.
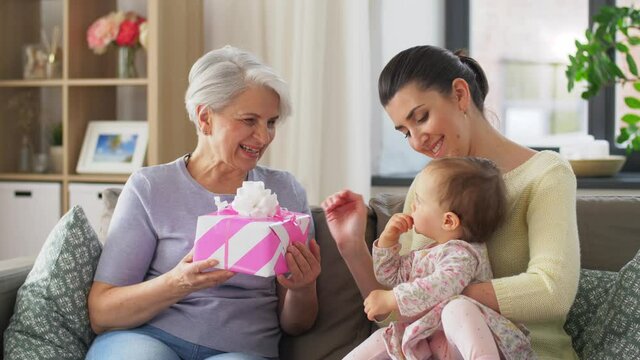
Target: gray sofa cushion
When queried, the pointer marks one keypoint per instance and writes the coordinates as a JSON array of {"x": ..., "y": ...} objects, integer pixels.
[
  {"x": 608, "y": 227},
  {"x": 384, "y": 206},
  {"x": 109, "y": 199},
  {"x": 51, "y": 319},
  {"x": 13, "y": 272},
  {"x": 341, "y": 323}
]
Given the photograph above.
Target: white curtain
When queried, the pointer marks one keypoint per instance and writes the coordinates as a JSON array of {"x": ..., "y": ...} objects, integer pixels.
[{"x": 321, "y": 48}]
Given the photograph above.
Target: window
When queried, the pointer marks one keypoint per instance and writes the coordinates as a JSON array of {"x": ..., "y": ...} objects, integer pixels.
[
  {"x": 523, "y": 47},
  {"x": 395, "y": 26},
  {"x": 607, "y": 107},
  {"x": 555, "y": 120}
]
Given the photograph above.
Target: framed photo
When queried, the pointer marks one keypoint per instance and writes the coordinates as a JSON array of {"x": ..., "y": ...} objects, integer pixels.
[{"x": 113, "y": 147}]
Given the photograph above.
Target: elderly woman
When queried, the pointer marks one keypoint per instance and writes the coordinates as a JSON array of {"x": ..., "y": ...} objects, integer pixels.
[{"x": 149, "y": 299}]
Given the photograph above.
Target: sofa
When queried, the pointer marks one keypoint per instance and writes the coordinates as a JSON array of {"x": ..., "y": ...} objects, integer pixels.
[{"x": 608, "y": 227}]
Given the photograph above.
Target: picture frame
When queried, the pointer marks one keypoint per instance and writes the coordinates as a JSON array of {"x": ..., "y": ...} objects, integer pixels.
[{"x": 113, "y": 147}]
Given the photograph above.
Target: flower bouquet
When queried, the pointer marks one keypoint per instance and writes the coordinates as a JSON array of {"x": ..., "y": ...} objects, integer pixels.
[{"x": 126, "y": 30}]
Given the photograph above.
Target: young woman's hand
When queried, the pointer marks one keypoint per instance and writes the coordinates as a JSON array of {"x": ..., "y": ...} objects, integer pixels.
[
  {"x": 347, "y": 218},
  {"x": 304, "y": 266},
  {"x": 398, "y": 224},
  {"x": 189, "y": 276},
  {"x": 379, "y": 303}
]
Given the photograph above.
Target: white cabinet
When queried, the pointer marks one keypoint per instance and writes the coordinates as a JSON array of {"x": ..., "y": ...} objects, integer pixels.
[
  {"x": 89, "y": 197},
  {"x": 28, "y": 212}
]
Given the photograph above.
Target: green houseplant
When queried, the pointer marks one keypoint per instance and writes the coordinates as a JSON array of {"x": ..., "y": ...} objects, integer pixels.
[
  {"x": 615, "y": 30},
  {"x": 55, "y": 148}
]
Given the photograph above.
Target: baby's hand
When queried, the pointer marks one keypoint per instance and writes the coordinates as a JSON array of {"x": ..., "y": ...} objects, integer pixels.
[
  {"x": 398, "y": 224},
  {"x": 379, "y": 302}
]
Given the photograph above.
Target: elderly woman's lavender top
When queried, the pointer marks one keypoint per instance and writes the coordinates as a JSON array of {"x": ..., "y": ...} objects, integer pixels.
[{"x": 153, "y": 228}]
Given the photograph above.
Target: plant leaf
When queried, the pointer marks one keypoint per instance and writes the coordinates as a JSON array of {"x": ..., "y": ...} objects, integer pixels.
[
  {"x": 631, "y": 119},
  {"x": 632, "y": 102},
  {"x": 613, "y": 70},
  {"x": 636, "y": 85},
  {"x": 622, "y": 47},
  {"x": 623, "y": 137},
  {"x": 633, "y": 68},
  {"x": 636, "y": 143}
]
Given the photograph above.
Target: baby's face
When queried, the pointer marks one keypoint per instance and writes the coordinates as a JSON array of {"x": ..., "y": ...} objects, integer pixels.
[{"x": 427, "y": 213}]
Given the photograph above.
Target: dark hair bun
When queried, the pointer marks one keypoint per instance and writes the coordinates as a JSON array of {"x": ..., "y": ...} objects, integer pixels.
[{"x": 481, "y": 78}]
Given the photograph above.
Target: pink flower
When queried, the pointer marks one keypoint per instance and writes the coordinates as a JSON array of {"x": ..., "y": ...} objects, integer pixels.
[{"x": 103, "y": 31}]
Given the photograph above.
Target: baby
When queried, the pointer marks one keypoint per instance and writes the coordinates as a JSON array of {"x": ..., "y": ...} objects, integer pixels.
[{"x": 460, "y": 203}]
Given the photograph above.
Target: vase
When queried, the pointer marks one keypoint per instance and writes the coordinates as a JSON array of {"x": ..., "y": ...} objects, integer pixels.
[
  {"x": 24, "y": 160},
  {"x": 55, "y": 156},
  {"x": 126, "y": 62}
]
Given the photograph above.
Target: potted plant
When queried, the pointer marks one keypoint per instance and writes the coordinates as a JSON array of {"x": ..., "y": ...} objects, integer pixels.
[
  {"x": 55, "y": 148},
  {"x": 615, "y": 30}
]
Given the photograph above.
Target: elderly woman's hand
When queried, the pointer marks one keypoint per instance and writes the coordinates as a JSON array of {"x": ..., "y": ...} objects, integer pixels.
[
  {"x": 304, "y": 265},
  {"x": 189, "y": 276}
]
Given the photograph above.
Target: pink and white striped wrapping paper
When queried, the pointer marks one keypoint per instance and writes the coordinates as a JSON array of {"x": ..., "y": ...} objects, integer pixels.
[{"x": 249, "y": 245}]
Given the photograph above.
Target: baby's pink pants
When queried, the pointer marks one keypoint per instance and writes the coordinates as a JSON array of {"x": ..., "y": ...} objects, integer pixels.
[{"x": 464, "y": 335}]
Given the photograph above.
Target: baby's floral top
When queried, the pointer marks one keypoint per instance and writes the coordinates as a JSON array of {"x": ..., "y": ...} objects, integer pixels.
[
  {"x": 423, "y": 278},
  {"x": 424, "y": 281}
]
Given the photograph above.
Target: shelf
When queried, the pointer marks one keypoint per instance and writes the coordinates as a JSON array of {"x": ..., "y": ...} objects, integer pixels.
[
  {"x": 108, "y": 82},
  {"x": 98, "y": 178},
  {"x": 88, "y": 90},
  {"x": 88, "y": 178},
  {"x": 31, "y": 83},
  {"x": 30, "y": 177},
  {"x": 74, "y": 82}
]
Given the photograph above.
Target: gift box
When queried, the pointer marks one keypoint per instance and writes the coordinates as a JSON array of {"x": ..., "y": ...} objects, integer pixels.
[{"x": 248, "y": 241}]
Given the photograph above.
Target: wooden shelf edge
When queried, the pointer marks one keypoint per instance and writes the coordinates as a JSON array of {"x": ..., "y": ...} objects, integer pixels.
[
  {"x": 31, "y": 83},
  {"x": 74, "y": 82},
  {"x": 108, "y": 82},
  {"x": 98, "y": 178},
  {"x": 90, "y": 178},
  {"x": 31, "y": 177}
]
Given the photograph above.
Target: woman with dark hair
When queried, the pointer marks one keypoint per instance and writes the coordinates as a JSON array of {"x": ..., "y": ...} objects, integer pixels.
[{"x": 436, "y": 99}]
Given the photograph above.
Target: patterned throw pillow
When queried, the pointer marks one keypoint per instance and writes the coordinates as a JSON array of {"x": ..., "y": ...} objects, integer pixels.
[
  {"x": 614, "y": 331},
  {"x": 593, "y": 289},
  {"x": 51, "y": 320}
]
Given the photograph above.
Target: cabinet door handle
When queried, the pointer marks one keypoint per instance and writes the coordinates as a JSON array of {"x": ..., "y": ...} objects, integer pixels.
[
  {"x": 99, "y": 196},
  {"x": 22, "y": 193}
]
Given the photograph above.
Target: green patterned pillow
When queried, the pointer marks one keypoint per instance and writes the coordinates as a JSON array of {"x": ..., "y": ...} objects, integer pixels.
[
  {"x": 593, "y": 290},
  {"x": 614, "y": 331},
  {"x": 51, "y": 320}
]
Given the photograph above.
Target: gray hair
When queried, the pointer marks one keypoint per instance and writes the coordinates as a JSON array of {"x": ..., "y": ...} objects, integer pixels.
[{"x": 220, "y": 75}]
